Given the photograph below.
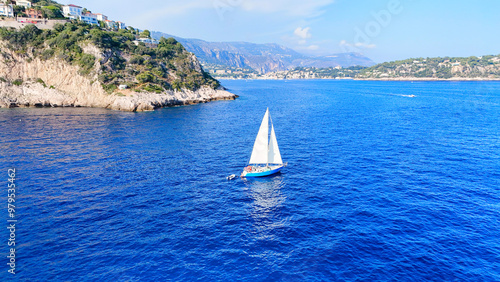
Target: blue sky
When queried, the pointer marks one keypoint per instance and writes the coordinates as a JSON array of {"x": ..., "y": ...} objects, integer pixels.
[{"x": 383, "y": 30}]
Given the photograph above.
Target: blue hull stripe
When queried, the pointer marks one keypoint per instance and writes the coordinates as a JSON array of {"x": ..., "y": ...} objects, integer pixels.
[{"x": 265, "y": 173}]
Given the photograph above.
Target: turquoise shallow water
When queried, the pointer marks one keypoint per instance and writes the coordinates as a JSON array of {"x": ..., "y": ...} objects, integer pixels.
[{"x": 380, "y": 186}]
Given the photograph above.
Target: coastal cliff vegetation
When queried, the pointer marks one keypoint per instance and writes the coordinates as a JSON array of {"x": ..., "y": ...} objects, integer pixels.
[
  {"x": 484, "y": 67},
  {"x": 111, "y": 56}
]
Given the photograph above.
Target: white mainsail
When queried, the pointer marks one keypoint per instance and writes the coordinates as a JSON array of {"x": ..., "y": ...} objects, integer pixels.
[
  {"x": 274, "y": 156},
  {"x": 266, "y": 151},
  {"x": 260, "y": 147}
]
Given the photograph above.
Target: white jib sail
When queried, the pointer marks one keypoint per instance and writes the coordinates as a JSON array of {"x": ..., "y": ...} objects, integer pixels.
[
  {"x": 260, "y": 147},
  {"x": 274, "y": 156}
]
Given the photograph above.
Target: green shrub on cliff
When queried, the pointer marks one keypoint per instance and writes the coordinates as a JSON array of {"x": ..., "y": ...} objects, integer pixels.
[
  {"x": 52, "y": 12},
  {"x": 39, "y": 80},
  {"x": 144, "y": 77},
  {"x": 86, "y": 63},
  {"x": 138, "y": 60},
  {"x": 109, "y": 88}
]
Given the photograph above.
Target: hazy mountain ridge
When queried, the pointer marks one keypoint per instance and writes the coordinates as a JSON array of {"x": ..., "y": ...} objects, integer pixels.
[{"x": 263, "y": 58}]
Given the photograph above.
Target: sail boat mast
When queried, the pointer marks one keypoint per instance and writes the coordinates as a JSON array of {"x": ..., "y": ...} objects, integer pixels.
[{"x": 265, "y": 149}]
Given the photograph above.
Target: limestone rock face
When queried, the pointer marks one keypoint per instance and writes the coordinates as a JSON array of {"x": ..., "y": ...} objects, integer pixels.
[{"x": 66, "y": 87}]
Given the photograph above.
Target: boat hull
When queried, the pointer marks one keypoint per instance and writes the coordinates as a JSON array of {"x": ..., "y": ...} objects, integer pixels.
[{"x": 271, "y": 171}]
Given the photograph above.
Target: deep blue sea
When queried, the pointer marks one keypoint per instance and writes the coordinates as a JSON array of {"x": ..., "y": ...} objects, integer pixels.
[{"x": 380, "y": 186}]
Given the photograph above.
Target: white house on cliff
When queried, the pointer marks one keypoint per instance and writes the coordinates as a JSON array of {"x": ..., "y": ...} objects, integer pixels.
[
  {"x": 6, "y": 10},
  {"x": 76, "y": 12},
  {"x": 24, "y": 3},
  {"x": 72, "y": 11}
]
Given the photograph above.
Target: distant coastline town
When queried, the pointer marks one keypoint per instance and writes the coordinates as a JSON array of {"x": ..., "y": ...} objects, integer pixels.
[{"x": 445, "y": 68}]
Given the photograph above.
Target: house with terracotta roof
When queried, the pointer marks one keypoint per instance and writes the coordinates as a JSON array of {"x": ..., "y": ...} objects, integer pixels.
[
  {"x": 110, "y": 24},
  {"x": 101, "y": 17},
  {"x": 72, "y": 11},
  {"x": 114, "y": 25},
  {"x": 121, "y": 25},
  {"x": 34, "y": 14},
  {"x": 89, "y": 18},
  {"x": 75, "y": 12}
]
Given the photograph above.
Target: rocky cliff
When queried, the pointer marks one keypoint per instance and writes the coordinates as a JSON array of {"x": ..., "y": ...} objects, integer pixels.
[{"x": 27, "y": 81}]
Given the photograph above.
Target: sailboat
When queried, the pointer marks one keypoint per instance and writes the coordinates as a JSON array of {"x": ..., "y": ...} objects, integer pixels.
[{"x": 266, "y": 158}]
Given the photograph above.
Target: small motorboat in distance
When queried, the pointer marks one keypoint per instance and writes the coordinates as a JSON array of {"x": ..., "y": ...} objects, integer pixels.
[{"x": 266, "y": 158}]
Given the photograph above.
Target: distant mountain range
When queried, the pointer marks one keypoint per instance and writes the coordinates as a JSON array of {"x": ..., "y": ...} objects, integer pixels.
[{"x": 262, "y": 58}]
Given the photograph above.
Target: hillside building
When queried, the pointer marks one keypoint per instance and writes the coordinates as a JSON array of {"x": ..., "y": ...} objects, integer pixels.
[
  {"x": 72, "y": 11},
  {"x": 24, "y": 3},
  {"x": 114, "y": 25},
  {"x": 34, "y": 14},
  {"x": 121, "y": 25},
  {"x": 6, "y": 10},
  {"x": 110, "y": 24},
  {"x": 101, "y": 17},
  {"x": 89, "y": 18}
]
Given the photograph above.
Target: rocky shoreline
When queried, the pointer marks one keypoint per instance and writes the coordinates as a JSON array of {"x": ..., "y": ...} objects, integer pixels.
[{"x": 34, "y": 94}]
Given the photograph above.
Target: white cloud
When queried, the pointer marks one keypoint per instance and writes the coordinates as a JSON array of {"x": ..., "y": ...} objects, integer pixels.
[
  {"x": 364, "y": 45},
  {"x": 301, "y": 8},
  {"x": 296, "y": 8},
  {"x": 312, "y": 47},
  {"x": 308, "y": 47},
  {"x": 286, "y": 9},
  {"x": 173, "y": 9},
  {"x": 302, "y": 33},
  {"x": 344, "y": 43}
]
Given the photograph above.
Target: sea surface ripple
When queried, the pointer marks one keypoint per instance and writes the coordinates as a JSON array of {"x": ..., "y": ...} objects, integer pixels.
[{"x": 381, "y": 185}]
